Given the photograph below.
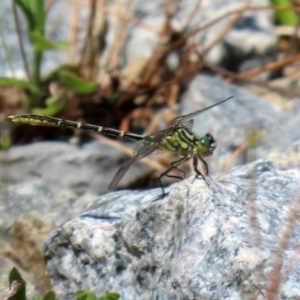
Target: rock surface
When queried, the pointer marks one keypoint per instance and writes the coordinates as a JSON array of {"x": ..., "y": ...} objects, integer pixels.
[
  {"x": 199, "y": 242},
  {"x": 53, "y": 204},
  {"x": 90, "y": 167},
  {"x": 29, "y": 210}
]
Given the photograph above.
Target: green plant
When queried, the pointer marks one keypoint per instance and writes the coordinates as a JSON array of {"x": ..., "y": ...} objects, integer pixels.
[
  {"x": 35, "y": 15},
  {"x": 17, "y": 291},
  {"x": 285, "y": 17},
  {"x": 87, "y": 295},
  {"x": 17, "y": 285}
]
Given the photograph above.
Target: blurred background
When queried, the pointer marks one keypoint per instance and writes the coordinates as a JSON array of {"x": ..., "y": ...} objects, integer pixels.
[{"x": 135, "y": 65}]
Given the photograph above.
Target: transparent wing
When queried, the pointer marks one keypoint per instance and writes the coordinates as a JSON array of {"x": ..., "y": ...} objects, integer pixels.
[
  {"x": 159, "y": 151},
  {"x": 188, "y": 124},
  {"x": 121, "y": 172},
  {"x": 141, "y": 150},
  {"x": 153, "y": 140},
  {"x": 156, "y": 151},
  {"x": 185, "y": 118}
]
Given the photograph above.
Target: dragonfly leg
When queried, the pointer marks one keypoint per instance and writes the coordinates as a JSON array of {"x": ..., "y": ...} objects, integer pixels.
[
  {"x": 195, "y": 165},
  {"x": 174, "y": 165},
  {"x": 205, "y": 165}
]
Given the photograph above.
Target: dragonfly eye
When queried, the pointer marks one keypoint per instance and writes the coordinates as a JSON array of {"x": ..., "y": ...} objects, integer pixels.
[
  {"x": 205, "y": 141},
  {"x": 208, "y": 144}
]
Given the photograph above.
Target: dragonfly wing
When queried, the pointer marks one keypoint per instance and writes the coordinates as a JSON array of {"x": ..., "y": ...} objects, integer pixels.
[
  {"x": 118, "y": 176},
  {"x": 152, "y": 141},
  {"x": 188, "y": 124},
  {"x": 142, "y": 151},
  {"x": 185, "y": 118},
  {"x": 139, "y": 147},
  {"x": 159, "y": 151},
  {"x": 144, "y": 148}
]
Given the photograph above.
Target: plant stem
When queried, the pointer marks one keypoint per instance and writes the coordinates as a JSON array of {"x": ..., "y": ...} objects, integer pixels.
[
  {"x": 37, "y": 60},
  {"x": 36, "y": 77}
]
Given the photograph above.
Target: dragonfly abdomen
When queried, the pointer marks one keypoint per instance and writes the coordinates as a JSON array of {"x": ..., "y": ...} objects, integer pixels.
[{"x": 33, "y": 119}]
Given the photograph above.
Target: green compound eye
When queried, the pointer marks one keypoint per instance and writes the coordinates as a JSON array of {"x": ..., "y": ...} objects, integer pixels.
[
  {"x": 205, "y": 142},
  {"x": 208, "y": 143}
]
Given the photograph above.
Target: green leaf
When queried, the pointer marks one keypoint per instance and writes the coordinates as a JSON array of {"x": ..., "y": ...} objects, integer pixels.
[
  {"x": 42, "y": 44},
  {"x": 84, "y": 295},
  {"x": 25, "y": 85},
  {"x": 35, "y": 14},
  {"x": 53, "y": 106},
  {"x": 285, "y": 17},
  {"x": 26, "y": 9},
  {"x": 110, "y": 296},
  {"x": 74, "y": 82},
  {"x": 14, "y": 276},
  {"x": 38, "y": 297},
  {"x": 114, "y": 97},
  {"x": 49, "y": 296},
  {"x": 23, "y": 3},
  {"x": 60, "y": 45},
  {"x": 38, "y": 10}
]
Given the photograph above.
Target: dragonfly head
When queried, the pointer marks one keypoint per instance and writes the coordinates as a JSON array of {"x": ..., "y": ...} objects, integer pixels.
[{"x": 206, "y": 145}]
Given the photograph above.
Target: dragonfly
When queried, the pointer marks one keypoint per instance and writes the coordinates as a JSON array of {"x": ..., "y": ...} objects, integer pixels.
[{"x": 178, "y": 138}]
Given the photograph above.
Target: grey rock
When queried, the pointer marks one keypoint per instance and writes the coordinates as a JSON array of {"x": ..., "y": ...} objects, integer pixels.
[
  {"x": 252, "y": 36},
  {"x": 252, "y": 42},
  {"x": 90, "y": 167},
  {"x": 287, "y": 159},
  {"x": 47, "y": 201},
  {"x": 199, "y": 242},
  {"x": 141, "y": 40},
  {"x": 29, "y": 210}
]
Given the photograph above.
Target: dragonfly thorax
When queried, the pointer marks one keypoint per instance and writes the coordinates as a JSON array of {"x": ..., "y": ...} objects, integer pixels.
[{"x": 182, "y": 141}]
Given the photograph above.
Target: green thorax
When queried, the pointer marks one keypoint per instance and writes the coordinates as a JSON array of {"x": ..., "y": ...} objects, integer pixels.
[{"x": 182, "y": 141}]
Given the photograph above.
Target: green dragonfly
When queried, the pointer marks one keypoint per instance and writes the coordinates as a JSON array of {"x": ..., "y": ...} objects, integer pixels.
[{"x": 178, "y": 138}]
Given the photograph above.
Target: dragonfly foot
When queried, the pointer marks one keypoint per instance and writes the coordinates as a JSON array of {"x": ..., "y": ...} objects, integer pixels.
[
  {"x": 208, "y": 180},
  {"x": 160, "y": 197}
]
